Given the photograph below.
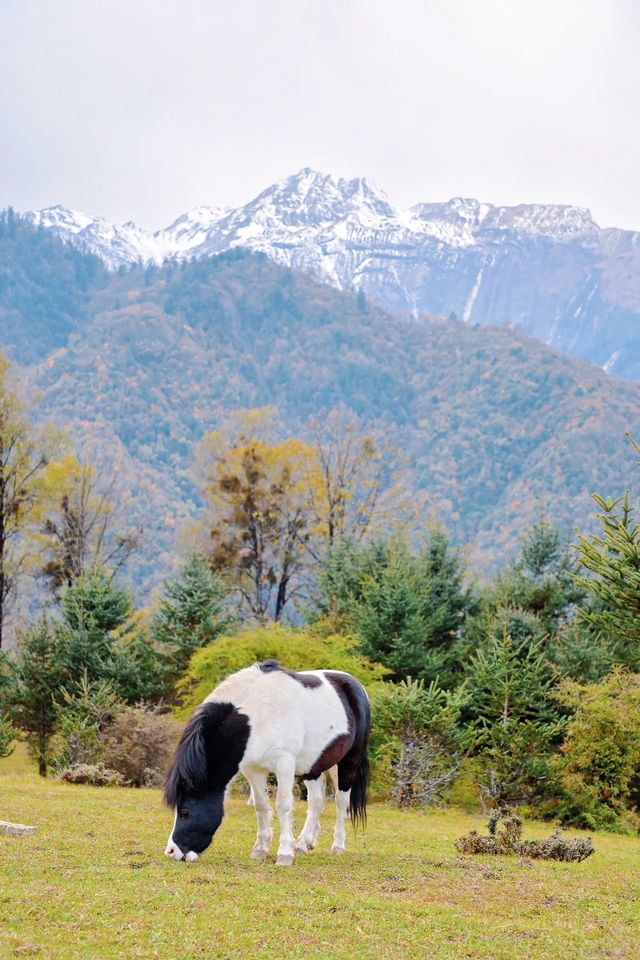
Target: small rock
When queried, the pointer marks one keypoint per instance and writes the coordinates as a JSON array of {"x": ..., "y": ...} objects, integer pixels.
[{"x": 16, "y": 829}]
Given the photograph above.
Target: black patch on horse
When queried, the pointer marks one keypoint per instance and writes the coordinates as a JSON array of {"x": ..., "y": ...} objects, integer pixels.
[
  {"x": 353, "y": 768},
  {"x": 209, "y": 753},
  {"x": 307, "y": 680}
]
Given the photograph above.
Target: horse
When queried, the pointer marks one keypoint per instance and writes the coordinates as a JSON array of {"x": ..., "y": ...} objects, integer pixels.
[{"x": 267, "y": 719}]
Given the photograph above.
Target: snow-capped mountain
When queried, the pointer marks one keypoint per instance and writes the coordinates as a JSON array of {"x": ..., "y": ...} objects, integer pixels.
[{"x": 548, "y": 268}]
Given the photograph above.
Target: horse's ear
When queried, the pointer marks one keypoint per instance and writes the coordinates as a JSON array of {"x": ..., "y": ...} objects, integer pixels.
[{"x": 189, "y": 768}]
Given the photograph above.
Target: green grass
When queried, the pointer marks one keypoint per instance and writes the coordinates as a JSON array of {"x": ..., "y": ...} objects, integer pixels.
[{"x": 93, "y": 883}]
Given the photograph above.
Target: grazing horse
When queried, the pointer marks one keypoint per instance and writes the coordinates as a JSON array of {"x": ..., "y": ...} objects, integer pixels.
[{"x": 266, "y": 719}]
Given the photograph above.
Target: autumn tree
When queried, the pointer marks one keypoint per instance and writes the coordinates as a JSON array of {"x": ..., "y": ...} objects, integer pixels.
[
  {"x": 24, "y": 453},
  {"x": 258, "y": 516},
  {"x": 356, "y": 487},
  {"x": 77, "y": 523}
]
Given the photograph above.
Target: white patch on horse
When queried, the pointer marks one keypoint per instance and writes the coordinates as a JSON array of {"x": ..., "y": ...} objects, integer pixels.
[{"x": 173, "y": 850}]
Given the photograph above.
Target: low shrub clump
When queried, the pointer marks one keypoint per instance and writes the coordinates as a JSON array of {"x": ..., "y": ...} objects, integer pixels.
[
  {"x": 509, "y": 841},
  {"x": 93, "y": 774}
]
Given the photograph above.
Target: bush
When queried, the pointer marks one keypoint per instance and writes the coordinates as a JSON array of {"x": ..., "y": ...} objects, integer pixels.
[
  {"x": 509, "y": 841},
  {"x": 8, "y": 736},
  {"x": 139, "y": 744},
  {"x": 418, "y": 742},
  {"x": 306, "y": 649},
  {"x": 93, "y": 774},
  {"x": 83, "y": 715},
  {"x": 601, "y": 752}
]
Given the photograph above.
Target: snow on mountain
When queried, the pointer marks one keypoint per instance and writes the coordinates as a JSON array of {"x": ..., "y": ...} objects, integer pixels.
[
  {"x": 547, "y": 268},
  {"x": 308, "y": 217}
]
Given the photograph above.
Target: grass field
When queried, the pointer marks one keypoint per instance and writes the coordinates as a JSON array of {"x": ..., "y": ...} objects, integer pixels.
[{"x": 93, "y": 883}]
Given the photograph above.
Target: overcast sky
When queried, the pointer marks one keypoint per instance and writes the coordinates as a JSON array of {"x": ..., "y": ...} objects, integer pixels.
[{"x": 140, "y": 109}]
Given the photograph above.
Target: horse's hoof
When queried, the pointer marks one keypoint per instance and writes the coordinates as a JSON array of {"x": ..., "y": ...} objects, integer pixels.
[
  {"x": 335, "y": 849},
  {"x": 284, "y": 860},
  {"x": 302, "y": 848},
  {"x": 258, "y": 854}
]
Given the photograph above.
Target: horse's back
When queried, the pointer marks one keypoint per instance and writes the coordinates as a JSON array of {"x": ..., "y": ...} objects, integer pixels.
[{"x": 299, "y": 713}]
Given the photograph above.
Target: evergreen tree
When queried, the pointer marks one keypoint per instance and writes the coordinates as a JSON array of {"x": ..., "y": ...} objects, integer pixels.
[
  {"x": 613, "y": 562},
  {"x": 103, "y": 641},
  {"x": 407, "y": 609},
  {"x": 191, "y": 614},
  {"x": 38, "y": 673},
  {"x": 536, "y": 598},
  {"x": 509, "y": 684}
]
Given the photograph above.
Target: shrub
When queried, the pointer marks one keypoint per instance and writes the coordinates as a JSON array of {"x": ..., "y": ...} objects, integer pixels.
[
  {"x": 94, "y": 774},
  {"x": 509, "y": 841},
  {"x": 138, "y": 744},
  {"x": 418, "y": 742},
  {"x": 601, "y": 752},
  {"x": 82, "y": 716},
  {"x": 306, "y": 649},
  {"x": 8, "y": 736}
]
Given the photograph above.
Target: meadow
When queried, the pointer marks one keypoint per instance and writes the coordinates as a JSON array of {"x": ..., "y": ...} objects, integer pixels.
[{"x": 93, "y": 884}]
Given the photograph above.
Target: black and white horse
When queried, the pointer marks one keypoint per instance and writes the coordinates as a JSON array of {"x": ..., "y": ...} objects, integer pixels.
[{"x": 262, "y": 720}]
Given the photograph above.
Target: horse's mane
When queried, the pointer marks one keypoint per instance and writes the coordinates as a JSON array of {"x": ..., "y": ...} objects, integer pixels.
[{"x": 189, "y": 770}]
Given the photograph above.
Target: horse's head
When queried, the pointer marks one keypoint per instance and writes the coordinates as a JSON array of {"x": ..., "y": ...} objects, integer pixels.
[
  {"x": 207, "y": 757},
  {"x": 197, "y": 819}
]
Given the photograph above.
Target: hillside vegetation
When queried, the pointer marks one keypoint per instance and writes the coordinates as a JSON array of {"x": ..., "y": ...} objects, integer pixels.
[{"x": 490, "y": 423}]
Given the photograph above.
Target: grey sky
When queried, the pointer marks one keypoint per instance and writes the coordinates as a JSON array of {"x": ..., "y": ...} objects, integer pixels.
[{"x": 139, "y": 109}]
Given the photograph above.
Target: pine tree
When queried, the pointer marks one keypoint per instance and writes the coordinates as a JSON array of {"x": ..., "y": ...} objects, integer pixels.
[
  {"x": 407, "y": 609},
  {"x": 38, "y": 673},
  {"x": 613, "y": 560},
  {"x": 192, "y": 613},
  {"x": 103, "y": 641},
  {"x": 509, "y": 685},
  {"x": 8, "y": 736}
]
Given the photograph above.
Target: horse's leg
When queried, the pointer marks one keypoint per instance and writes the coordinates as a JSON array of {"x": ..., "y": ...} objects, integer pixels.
[
  {"x": 258, "y": 781},
  {"x": 285, "y": 775},
  {"x": 308, "y": 839},
  {"x": 342, "y": 808}
]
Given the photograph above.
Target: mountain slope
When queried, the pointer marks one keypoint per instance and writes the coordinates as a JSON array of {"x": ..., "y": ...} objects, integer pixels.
[
  {"x": 492, "y": 422},
  {"x": 548, "y": 269}
]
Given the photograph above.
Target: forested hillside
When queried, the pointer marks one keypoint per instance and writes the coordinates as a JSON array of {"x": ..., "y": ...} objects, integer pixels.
[
  {"x": 141, "y": 364},
  {"x": 45, "y": 289}
]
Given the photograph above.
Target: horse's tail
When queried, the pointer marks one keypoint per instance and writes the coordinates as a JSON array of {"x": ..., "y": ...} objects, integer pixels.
[
  {"x": 353, "y": 769},
  {"x": 359, "y": 790}
]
